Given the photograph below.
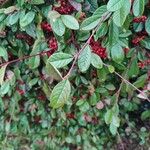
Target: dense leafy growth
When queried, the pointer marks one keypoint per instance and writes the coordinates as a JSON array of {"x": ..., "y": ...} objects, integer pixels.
[{"x": 74, "y": 74}]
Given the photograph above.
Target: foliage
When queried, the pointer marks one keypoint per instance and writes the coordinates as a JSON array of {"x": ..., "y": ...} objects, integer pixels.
[{"x": 74, "y": 74}]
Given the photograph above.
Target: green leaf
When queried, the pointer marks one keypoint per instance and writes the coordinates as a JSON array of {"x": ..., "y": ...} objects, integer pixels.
[
  {"x": 140, "y": 82},
  {"x": 114, "y": 5},
  {"x": 134, "y": 69},
  {"x": 146, "y": 43},
  {"x": 53, "y": 72},
  {"x": 90, "y": 23},
  {"x": 2, "y": 74},
  {"x": 5, "y": 88},
  {"x": 138, "y": 7},
  {"x": 37, "y": 2},
  {"x": 108, "y": 116},
  {"x": 100, "y": 11},
  {"x": 113, "y": 34},
  {"x": 27, "y": 19},
  {"x": 58, "y": 26},
  {"x": 102, "y": 30},
  {"x": 60, "y": 59},
  {"x": 111, "y": 69},
  {"x": 60, "y": 94},
  {"x": 145, "y": 115},
  {"x": 120, "y": 15},
  {"x": 117, "y": 53},
  {"x": 84, "y": 59},
  {"x": 96, "y": 61},
  {"x": 113, "y": 129},
  {"x": 53, "y": 15},
  {"x": 3, "y": 53},
  {"x": 147, "y": 25},
  {"x": 14, "y": 18},
  {"x": 70, "y": 22},
  {"x": 34, "y": 62}
]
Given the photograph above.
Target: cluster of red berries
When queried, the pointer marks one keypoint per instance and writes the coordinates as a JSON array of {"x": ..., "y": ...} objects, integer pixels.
[
  {"x": 140, "y": 19},
  {"x": 70, "y": 116},
  {"x": 64, "y": 8},
  {"x": 46, "y": 26},
  {"x": 89, "y": 119},
  {"x": 52, "y": 44},
  {"x": 142, "y": 33},
  {"x": 137, "y": 40},
  {"x": 98, "y": 49},
  {"x": 21, "y": 92},
  {"x": 143, "y": 64},
  {"x": 126, "y": 50},
  {"x": 23, "y": 36}
]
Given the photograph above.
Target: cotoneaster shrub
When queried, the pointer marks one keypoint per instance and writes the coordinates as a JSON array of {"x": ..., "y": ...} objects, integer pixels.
[{"x": 74, "y": 74}]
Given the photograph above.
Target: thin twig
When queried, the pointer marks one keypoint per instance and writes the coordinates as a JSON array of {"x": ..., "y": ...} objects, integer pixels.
[
  {"x": 125, "y": 76},
  {"x": 127, "y": 82},
  {"x": 103, "y": 18},
  {"x": 22, "y": 58}
]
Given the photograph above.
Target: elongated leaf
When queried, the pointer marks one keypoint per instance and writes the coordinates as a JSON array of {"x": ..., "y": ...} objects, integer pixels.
[
  {"x": 113, "y": 34},
  {"x": 114, "y": 5},
  {"x": 108, "y": 116},
  {"x": 60, "y": 94},
  {"x": 60, "y": 60},
  {"x": 53, "y": 72},
  {"x": 2, "y": 74},
  {"x": 90, "y": 23},
  {"x": 134, "y": 69},
  {"x": 3, "y": 53},
  {"x": 70, "y": 22},
  {"x": 37, "y": 2},
  {"x": 101, "y": 31},
  {"x": 117, "y": 53},
  {"x": 84, "y": 59},
  {"x": 96, "y": 61},
  {"x": 147, "y": 25},
  {"x": 100, "y": 11},
  {"x": 27, "y": 19},
  {"x": 138, "y": 7},
  {"x": 120, "y": 15},
  {"x": 58, "y": 26}
]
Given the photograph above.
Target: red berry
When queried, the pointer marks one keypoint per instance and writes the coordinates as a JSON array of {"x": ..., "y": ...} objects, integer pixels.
[
  {"x": 98, "y": 49},
  {"x": 64, "y": 8},
  {"x": 46, "y": 26},
  {"x": 70, "y": 115},
  {"x": 140, "y": 19}
]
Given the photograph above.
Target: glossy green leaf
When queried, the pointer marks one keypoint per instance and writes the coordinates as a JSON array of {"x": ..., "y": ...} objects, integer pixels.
[
  {"x": 37, "y": 2},
  {"x": 2, "y": 74},
  {"x": 3, "y": 53},
  {"x": 138, "y": 7},
  {"x": 120, "y": 15},
  {"x": 84, "y": 59},
  {"x": 27, "y": 19},
  {"x": 90, "y": 23},
  {"x": 102, "y": 30},
  {"x": 60, "y": 94},
  {"x": 108, "y": 116},
  {"x": 53, "y": 72},
  {"x": 114, "y": 5},
  {"x": 70, "y": 22},
  {"x": 147, "y": 25},
  {"x": 60, "y": 59},
  {"x": 58, "y": 26},
  {"x": 134, "y": 69},
  {"x": 117, "y": 53},
  {"x": 96, "y": 61}
]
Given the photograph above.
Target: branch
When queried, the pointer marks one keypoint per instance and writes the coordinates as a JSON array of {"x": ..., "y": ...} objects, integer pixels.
[
  {"x": 22, "y": 58},
  {"x": 103, "y": 18}
]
